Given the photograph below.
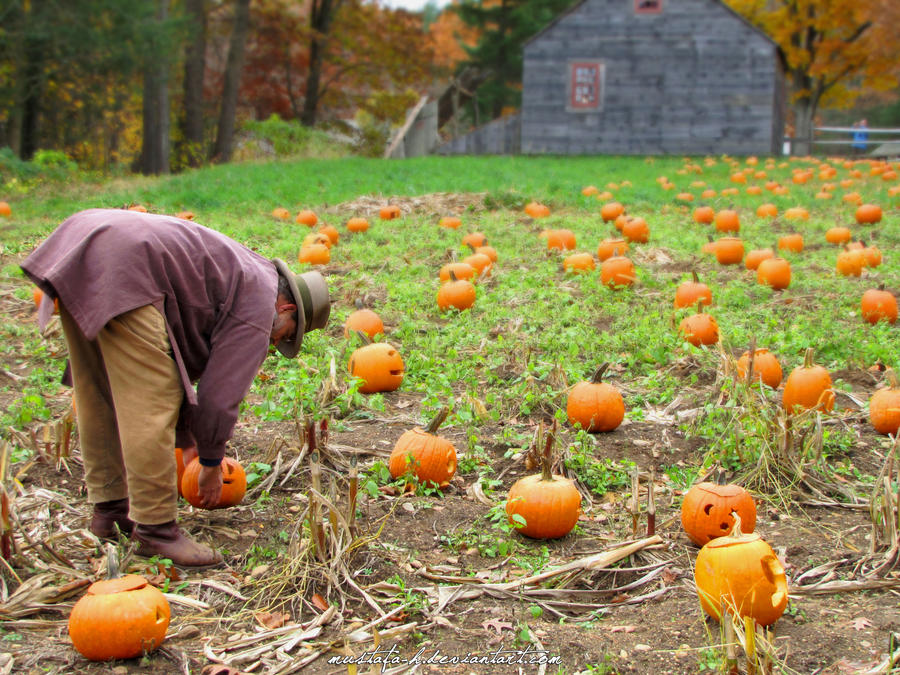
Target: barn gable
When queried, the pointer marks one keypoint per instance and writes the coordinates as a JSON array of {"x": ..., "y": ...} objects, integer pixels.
[{"x": 651, "y": 77}]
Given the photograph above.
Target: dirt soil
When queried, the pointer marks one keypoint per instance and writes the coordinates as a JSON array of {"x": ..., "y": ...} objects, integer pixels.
[{"x": 640, "y": 616}]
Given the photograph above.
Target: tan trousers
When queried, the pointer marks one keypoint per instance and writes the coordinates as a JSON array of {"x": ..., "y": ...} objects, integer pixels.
[{"x": 127, "y": 397}]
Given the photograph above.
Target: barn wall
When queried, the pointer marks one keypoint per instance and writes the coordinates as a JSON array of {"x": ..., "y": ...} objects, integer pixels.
[
  {"x": 499, "y": 137},
  {"x": 693, "y": 79}
]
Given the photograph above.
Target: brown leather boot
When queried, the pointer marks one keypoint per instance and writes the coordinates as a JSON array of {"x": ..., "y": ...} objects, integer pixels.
[
  {"x": 168, "y": 541},
  {"x": 110, "y": 518}
]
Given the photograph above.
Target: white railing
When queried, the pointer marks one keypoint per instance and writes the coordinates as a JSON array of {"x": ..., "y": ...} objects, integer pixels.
[{"x": 875, "y": 138}]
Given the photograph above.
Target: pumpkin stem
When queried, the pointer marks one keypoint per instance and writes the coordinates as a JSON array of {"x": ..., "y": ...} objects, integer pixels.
[
  {"x": 364, "y": 337},
  {"x": 881, "y": 286},
  {"x": 597, "y": 378},
  {"x": 700, "y": 306},
  {"x": 736, "y": 530},
  {"x": 615, "y": 251},
  {"x": 437, "y": 420},
  {"x": 471, "y": 246},
  {"x": 694, "y": 275},
  {"x": 891, "y": 377},
  {"x": 452, "y": 275},
  {"x": 548, "y": 450},
  {"x": 359, "y": 304},
  {"x": 808, "y": 359},
  {"x": 751, "y": 360},
  {"x": 112, "y": 561}
]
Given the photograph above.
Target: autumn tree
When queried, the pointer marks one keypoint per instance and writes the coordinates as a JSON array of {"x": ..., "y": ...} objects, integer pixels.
[
  {"x": 372, "y": 54},
  {"x": 831, "y": 51},
  {"x": 504, "y": 26}
]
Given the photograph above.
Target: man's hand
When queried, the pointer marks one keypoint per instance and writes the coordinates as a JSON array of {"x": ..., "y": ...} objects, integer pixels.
[
  {"x": 209, "y": 483},
  {"x": 209, "y": 486},
  {"x": 188, "y": 454}
]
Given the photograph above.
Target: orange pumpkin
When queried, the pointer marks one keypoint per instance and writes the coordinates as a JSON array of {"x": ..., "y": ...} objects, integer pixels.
[
  {"x": 379, "y": 366},
  {"x": 774, "y": 272},
  {"x": 756, "y": 256},
  {"x": 314, "y": 254},
  {"x": 868, "y": 214},
  {"x": 636, "y": 230},
  {"x": 727, "y": 221},
  {"x": 389, "y": 212},
  {"x": 281, "y": 213},
  {"x": 579, "y": 262},
  {"x": 119, "y": 618},
  {"x": 179, "y": 469},
  {"x": 548, "y": 504},
  {"x": 884, "y": 406},
  {"x": 461, "y": 270},
  {"x": 766, "y": 368},
  {"x": 307, "y": 217},
  {"x": 489, "y": 251},
  {"x": 838, "y": 235},
  {"x": 234, "y": 483},
  {"x": 474, "y": 239},
  {"x": 431, "y": 458},
  {"x": 5, "y": 209},
  {"x": 316, "y": 238},
  {"x": 741, "y": 574},
  {"x": 563, "y": 240},
  {"x": 704, "y": 215},
  {"x": 796, "y": 213},
  {"x": 331, "y": 232},
  {"x": 873, "y": 256},
  {"x": 791, "y": 242},
  {"x": 537, "y": 210},
  {"x": 451, "y": 222},
  {"x": 878, "y": 304},
  {"x": 706, "y": 511},
  {"x": 767, "y": 210},
  {"x": 365, "y": 321},
  {"x": 458, "y": 293},
  {"x": 850, "y": 262},
  {"x": 689, "y": 293},
  {"x": 595, "y": 405},
  {"x": 807, "y": 387},
  {"x": 729, "y": 250},
  {"x": 185, "y": 215},
  {"x": 480, "y": 262},
  {"x": 610, "y": 247},
  {"x": 357, "y": 225},
  {"x": 699, "y": 329},
  {"x": 611, "y": 211},
  {"x": 617, "y": 272}
]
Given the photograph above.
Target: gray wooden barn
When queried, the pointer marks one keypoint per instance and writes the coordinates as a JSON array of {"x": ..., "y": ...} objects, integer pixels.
[{"x": 643, "y": 77}]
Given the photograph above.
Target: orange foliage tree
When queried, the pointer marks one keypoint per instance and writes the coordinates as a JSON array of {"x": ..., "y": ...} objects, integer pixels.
[{"x": 832, "y": 51}]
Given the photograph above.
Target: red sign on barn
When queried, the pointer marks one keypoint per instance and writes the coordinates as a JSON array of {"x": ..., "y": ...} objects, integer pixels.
[{"x": 586, "y": 85}]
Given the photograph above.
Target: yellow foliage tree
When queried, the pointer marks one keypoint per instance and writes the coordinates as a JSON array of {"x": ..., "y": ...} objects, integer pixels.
[{"x": 832, "y": 50}]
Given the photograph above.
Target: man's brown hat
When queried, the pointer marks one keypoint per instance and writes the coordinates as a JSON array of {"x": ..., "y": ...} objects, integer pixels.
[{"x": 310, "y": 292}]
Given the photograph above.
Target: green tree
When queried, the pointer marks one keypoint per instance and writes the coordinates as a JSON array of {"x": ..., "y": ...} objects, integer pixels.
[{"x": 505, "y": 26}]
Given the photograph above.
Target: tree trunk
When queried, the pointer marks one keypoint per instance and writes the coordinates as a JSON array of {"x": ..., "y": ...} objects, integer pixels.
[
  {"x": 804, "y": 113},
  {"x": 32, "y": 80},
  {"x": 194, "y": 69},
  {"x": 155, "y": 147},
  {"x": 224, "y": 145},
  {"x": 320, "y": 20}
]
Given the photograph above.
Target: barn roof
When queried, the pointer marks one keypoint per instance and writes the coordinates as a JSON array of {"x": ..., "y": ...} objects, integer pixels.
[{"x": 576, "y": 5}]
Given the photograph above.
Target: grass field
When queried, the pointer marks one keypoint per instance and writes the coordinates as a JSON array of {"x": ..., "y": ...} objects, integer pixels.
[{"x": 504, "y": 366}]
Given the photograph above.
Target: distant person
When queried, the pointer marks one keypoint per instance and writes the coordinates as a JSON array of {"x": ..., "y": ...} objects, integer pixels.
[
  {"x": 860, "y": 137},
  {"x": 149, "y": 305}
]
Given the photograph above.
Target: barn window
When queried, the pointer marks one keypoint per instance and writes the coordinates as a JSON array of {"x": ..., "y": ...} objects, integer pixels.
[
  {"x": 648, "y": 6},
  {"x": 585, "y": 85}
]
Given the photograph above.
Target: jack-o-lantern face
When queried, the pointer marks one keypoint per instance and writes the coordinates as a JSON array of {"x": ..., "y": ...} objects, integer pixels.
[
  {"x": 707, "y": 508},
  {"x": 379, "y": 366}
]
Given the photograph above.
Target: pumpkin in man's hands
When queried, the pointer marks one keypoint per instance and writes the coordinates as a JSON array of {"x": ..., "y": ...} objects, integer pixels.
[{"x": 234, "y": 483}]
